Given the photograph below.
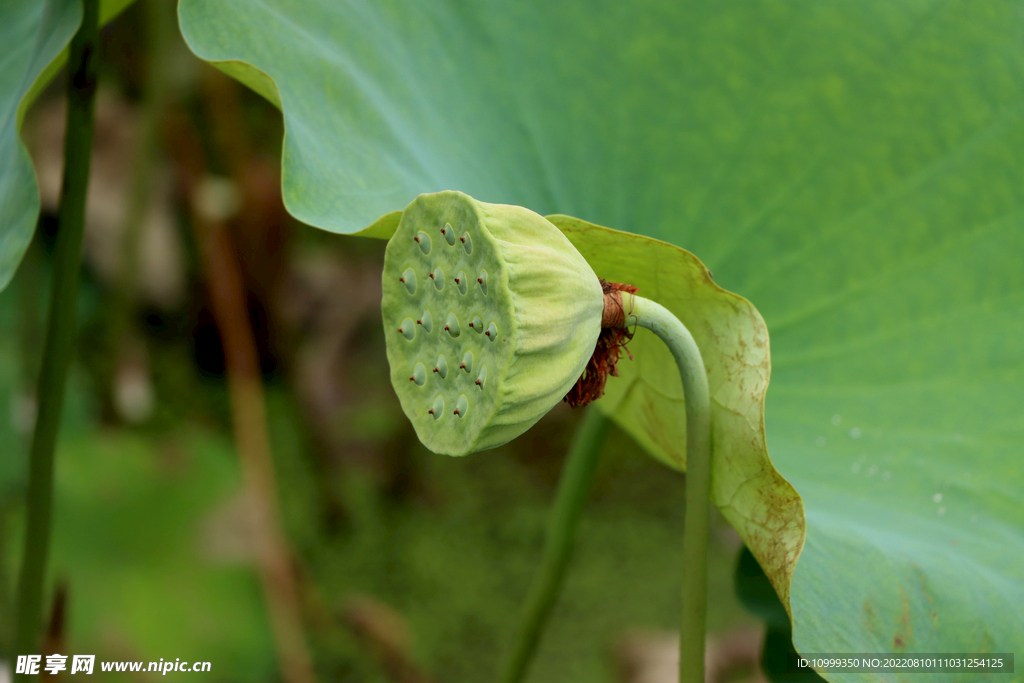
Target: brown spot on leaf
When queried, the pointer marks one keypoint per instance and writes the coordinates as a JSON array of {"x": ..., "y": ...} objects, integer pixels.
[
  {"x": 904, "y": 635},
  {"x": 870, "y": 616},
  {"x": 924, "y": 584}
]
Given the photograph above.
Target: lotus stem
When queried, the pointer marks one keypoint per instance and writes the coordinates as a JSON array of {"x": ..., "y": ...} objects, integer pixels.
[
  {"x": 60, "y": 326},
  {"x": 574, "y": 487},
  {"x": 571, "y": 498},
  {"x": 658, "y": 319}
]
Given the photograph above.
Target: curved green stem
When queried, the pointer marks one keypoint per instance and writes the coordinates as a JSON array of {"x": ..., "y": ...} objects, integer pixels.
[
  {"x": 573, "y": 490},
  {"x": 60, "y": 326},
  {"x": 574, "y": 486},
  {"x": 660, "y": 320}
]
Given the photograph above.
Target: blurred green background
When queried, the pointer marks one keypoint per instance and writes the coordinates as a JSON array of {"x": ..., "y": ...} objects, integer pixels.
[{"x": 411, "y": 566}]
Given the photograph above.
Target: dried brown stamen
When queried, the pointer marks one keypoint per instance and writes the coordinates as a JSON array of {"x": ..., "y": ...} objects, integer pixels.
[{"x": 610, "y": 345}]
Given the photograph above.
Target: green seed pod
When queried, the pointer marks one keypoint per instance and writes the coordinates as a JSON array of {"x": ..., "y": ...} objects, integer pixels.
[{"x": 533, "y": 304}]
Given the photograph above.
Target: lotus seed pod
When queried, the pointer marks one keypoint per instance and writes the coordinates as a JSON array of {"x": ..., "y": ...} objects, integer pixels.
[{"x": 531, "y": 299}]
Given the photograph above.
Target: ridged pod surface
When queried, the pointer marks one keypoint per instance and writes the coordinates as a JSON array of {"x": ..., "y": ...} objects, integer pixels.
[{"x": 490, "y": 316}]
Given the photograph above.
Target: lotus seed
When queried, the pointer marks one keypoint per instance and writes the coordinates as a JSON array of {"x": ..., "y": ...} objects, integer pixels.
[
  {"x": 467, "y": 243},
  {"x": 449, "y": 234},
  {"x": 482, "y": 281},
  {"x": 467, "y": 362},
  {"x": 491, "y": 332},
  {"x": 442, "y": 367},
  {"x": 408, "y": 329},
  {"x": 461, "y": 282},
  {"x": 409, "y": 278},
  {"x": 438, "y": 277},
  {"x": 426, "y": 321},
  {"x": 461, "y": 406},
  {"x": 482, "y": 377},
  {"x": 419, "y": 375},
  {"x": 477, "y": 324},
  {"x": 437, "y": 409},
  {"x": 451, "y": 326},
  {"x": 423, "y": 239}
]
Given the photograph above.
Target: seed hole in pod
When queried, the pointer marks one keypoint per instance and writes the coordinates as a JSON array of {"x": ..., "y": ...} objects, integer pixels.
[
  {"x": 426, "y": 320},
  {"x": 467, "y": 362},
  {"x": 461, "y": 282},
  {"x": 477, "y": 325},
  {"x": 491, "y": 332},
  {"x": 467, "y": 243},
  {"x": 449, "y": 234},
  {"x": 409, "y": 280},
  {"x": 441, "y": 368},
  {"x": 408, "y": 329},
  {"x": 481, "y": 280},
  {"x": 461, "y": 406},
  {"x": 419, "y": 375},
  {"x": 423, "y": 239},
  {"x": 482, "y": 377},
  {"x": 438, "y": 277},
  {"x": 437, "y": 408},
  {"x": 451, "y": 325}
]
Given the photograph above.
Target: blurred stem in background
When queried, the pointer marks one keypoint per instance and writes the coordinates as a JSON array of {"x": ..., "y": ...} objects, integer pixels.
[
  {"x": 30, "y": 331},
  {"x": 60, "y": 327},
  {"x": 570, "y": 500},
  {"x": 6, "y": 599},
  {"x": 159, "y": 26},
  {"x": 28, "y": 283},
  {"x": 213, "y": 202}
]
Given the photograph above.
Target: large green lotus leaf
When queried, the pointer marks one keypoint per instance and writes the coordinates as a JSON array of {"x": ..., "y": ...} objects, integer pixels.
[
  {"x": 853, "y": 169},
  {"x": 34, "y": 35}
]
